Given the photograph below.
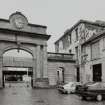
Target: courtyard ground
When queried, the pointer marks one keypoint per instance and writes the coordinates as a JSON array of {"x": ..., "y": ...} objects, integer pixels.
[{"x": 20, "y": 94}]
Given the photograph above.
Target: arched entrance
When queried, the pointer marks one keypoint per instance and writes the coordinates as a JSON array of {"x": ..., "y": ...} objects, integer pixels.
[
  {"x": 60, "y": 75},
  {"x": 16, "y": 33},
  {"x": 17, "y": 67}
]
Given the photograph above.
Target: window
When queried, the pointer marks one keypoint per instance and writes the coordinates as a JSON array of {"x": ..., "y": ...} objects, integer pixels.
[
  {"x": 76, "y": 51},
  {"x": 70, "y": 51},
  {"x": 76, "y": 31},
  {"x": 83, "y": 54},
  {"x": 70, "y": 41},
  {"x": 95, "y": 50},
  {"x": 65, "y": 41},
  {"x": 57, "y": 47},
  {"x": 60, "y": 45},
  {"x": 83, "y": 50}
]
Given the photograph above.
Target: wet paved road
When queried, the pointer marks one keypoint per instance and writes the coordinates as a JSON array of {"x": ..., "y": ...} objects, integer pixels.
[{"x": 20, "y": 94}]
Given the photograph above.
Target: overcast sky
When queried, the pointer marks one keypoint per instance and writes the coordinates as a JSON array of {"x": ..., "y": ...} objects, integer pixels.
[{"x": 57, "y": 15}]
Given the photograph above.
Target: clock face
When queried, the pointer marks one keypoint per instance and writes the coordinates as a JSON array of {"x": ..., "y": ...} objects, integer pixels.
[{"x": 19, "y": 22}]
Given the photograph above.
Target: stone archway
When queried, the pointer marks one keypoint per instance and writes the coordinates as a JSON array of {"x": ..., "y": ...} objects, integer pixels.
[
  {"x": 17, "y": 64},
  {"x": 17, "y": 33}
]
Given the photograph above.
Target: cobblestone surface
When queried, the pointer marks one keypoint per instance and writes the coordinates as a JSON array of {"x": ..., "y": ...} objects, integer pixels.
[{"x": 20, "y": 94}]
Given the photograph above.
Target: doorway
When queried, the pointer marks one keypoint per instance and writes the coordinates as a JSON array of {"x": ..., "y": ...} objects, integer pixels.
[
  {"x": 78, "y": 74},
  {"x": 60, "y": 75},
  {"x": 97, "y": 72}
]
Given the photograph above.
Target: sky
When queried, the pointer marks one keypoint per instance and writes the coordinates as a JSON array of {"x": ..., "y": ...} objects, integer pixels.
[{"x": 57, "y": 15}]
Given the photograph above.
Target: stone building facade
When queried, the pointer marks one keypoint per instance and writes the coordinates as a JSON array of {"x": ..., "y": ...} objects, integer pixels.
[
  {"x": 71, "y": 61},
  {"x": 93, "y": 58},
  {"x": 73, "y": 39},
  {"x": 46, "y": 69},
  {"x": 60, "y": 68}
]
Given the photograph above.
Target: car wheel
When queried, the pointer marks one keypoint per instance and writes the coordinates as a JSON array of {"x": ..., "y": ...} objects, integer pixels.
[
  {"x": 82, "y": 97},
  {"x": 99, "y": 97}
]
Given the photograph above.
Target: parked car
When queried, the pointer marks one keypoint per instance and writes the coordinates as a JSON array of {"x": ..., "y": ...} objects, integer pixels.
[
  {"x": 68, "y": 88},
  {"x": 94, "y": 90}
]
